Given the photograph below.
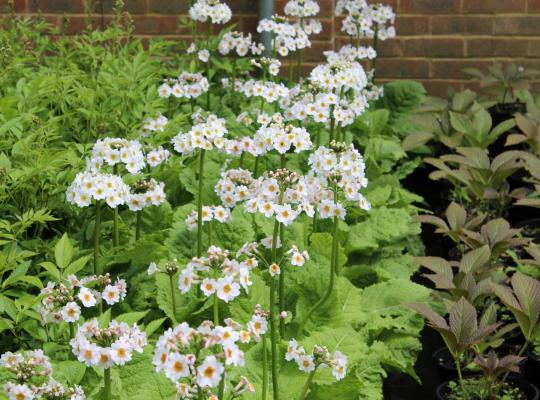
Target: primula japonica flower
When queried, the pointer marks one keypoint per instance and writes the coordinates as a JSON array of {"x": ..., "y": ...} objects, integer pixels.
[
  {"x": 94, "y": 186},
  {"x": 33, "y": 373},
  {"x": 114, "y": 151},
  {"x": 281, "y": 194},
  {"x": 364, "y": 20},
  {"x": 198, "y": 357},
  {"x": 273, "y": 134},
  {"x": 294, "y": 256},
  {"x": 209, "y": 213},
  {"x": 320, "y": 358},
  {"x": 217, "y": 274},
  {"x": 239, "y": 43},
  {"x": 269, "y": 91},
  {"x": 64, "y": 301},
  {"x": 287, "y": 37},
  {"x": 204, "y": 135},
  {"x": 341, "y": 166},
  {"x": 146, "y": 193},
  {"x": 105, "y": 347},
  {"x": 154, "y": 125},
  {"x": 213, "y": 10},
  {"x": 187, "y": 85},
  {"x": 302, "y": 8}
]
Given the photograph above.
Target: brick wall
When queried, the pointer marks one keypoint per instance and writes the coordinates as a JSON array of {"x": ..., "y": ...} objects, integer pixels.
[{"x": 436, "y": 38}]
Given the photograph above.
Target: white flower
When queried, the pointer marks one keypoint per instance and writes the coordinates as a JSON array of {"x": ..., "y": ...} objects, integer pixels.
[
  {"x": 292, "y": 350},
  {"x": 86, "y": 297},
  {"x": 105, "y": 358},
  {"x": 227, "y": 289},
  {"x": 305, "y": 363},
  {"x": 274, "y": 269},
  {"x": 121, "y": 352},
  {"x": 285, "y": 214},
  {"x": 111, "y": 295},
  {"x": 209, "y": 372},
  {"x": 70, "y": 312},
  {"x": 233, "y": 355},
  {"x": 339, "y": 365},
  {"x": 258, "y": 325},
  {"x": 203, "y": 55},
  {"x": 152, "y": 268},
  {"x": 18, "y": 392},
  {"x": 177, "y": 367},
  {"x": 208, "y": 286}
]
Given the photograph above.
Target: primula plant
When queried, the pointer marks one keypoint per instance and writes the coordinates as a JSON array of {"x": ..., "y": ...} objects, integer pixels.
[{"x": 229, "y": 203}]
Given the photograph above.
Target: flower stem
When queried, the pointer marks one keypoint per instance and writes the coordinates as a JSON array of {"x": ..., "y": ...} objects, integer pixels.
[
  {"x": 330, "y": 288},
  {"x": 107, "y": 382},
  {"x": 460, "y": 378},
  {"x": 199, "y": 203},
  {"x": 173, "y": 297},
  {"x": 138, "y": 226},
  {"x": 282, "y": 286},
  {"x": 273, "y": 336},
  {"x": 221, "y": 389},
  {"x": 308, "y": 383},
  {"x": 116, "y": 237},
  {"x": 71, "y": 330},
  {"x": 97, "y": 232},
  {"x": 216, "y": 310},
  {"x": 256, "y": 168},
  {"x": 265, "y": 368}
]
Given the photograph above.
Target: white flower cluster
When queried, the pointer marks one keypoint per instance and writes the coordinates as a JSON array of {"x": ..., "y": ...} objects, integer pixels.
[
  {"x": 282, "y": 194},
  {"x": 146, "y": 193},
  {"x": 287, "y": 37},
  {"x": 341, "y": 165},
  {"x": 33, "y": 370},
  {"x": 114, "y": 151},
  {"x": 273, "y": 134},
  {"x": 154, "y": 124},
  {"x": 103, "y": 347},
  {"x": 217, "y": 12},
  {"x": 197, "y": 356},
  {"x": 295, "y": 256},
  {"x": 204, "y": 135},
  {"x": 209, "y": 213},
  {"x": 157, "y": 156},
  {"x": 320, "y": 358},
  {"x": 187, "y": 85},
  {"x": 88, "y": 186},
  {"x": 217, "y": 274},
  {"x": 63, "y": 301},
  {"x": 271, "y": 65},
  {"x": 269, "y": 91},
  {"x": 240, "y": 43},
  {"x": 350, "y": 54},
  {"x": 302, "y": 8},
  {"x": 338, "y": 76},
  {"x": 365, "y": 20}
]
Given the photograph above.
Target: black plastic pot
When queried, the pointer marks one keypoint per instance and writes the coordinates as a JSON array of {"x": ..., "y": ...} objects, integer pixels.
[
  {"x": 530, "y": 390},
  {"x": 533, "y": 367},
  {"x": 531, "y": 228},
  {"x": 446, "y": 369},
  {"x": 499, "y": 113}
]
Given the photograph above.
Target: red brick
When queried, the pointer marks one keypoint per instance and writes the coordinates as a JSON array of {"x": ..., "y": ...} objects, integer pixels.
[
  {"x": 533, "y": 5},
  {"x": 441, "y": 87},
  {"x": 391, "y": 48},
  {"x": 18, "y": 6},
  {"x": 168, "y": 6},
  {"x": 454, "y": 68},
  {"x": 131, "y": 6},
  {"x": 430, "y": 6},
  {"x": 496, "y": 47},
  {"x": 461, "y": 24},
  {"x": 435, "y": 47},
  {"x": 529, "y": 25},
  {"x": 242, "y": 6},
  {"x": 412, "y": 25},
  {"x": 56, "y": 6},
  {"x": 494, "y": 6},
  {"x": 402, "y": 68},
  {"x": 162, "y": 24},
  {"x": 533, "y": 48},
  {"x": 76, "y": 24},
  {"x": 314, "y": 53}
]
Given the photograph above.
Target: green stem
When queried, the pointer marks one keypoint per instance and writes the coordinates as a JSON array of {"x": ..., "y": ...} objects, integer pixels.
[
  {"x": 375, "y": 47},
  {"x": 307, "y": 384},
  {"x": 221, "y": 389},
  {"x": 138, "y": 226},
  {"x": 116, "y": 237},
  {"x": 216, "y": 310},
  {"x": 282, "y": 285},
  {"x": 330, "y": 288},
  {"x": 71, "y": 330},
  {"x": 199, "y": 203},
  {"x": 332, "y": 124},
  {"x": 97, "y": 233},
  {"x": 107, "y": 382},
  {"x": 265, "y": 368},
  {"x": 256, "y": 168},
  {"x": 460, "y": 378},
  {"x": 173, "y": 296},
  {"x": 273, "y": 336}
]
